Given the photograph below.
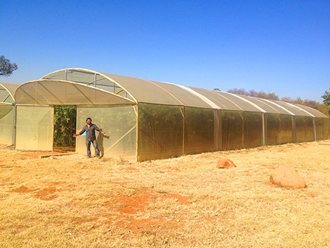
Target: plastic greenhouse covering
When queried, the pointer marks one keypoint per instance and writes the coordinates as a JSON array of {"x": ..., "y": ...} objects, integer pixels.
[
  {"x": 152, "y": 120},
  {"x": 7, "y": 114}
]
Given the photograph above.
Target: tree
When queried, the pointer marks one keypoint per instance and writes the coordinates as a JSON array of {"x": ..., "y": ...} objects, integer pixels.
[
  {"x": 64, "y": 126},
  {"x": 261, "y": 94},
  {"x": 6, "y": 68},
  {"x": 323, "y": 107},
  {"x": 326, "y": 97}
]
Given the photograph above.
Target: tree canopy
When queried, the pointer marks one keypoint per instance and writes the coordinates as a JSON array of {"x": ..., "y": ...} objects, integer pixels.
[
  {"x": 261, "y": 94},
  {"x": 326, "y": 97},
  {"x": 6, "y": 67},
  {"x": 272, "y": 96}
]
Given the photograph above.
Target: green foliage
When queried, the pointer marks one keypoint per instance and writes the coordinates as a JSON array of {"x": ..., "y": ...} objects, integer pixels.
[
  {"x": 64, "y": 126},
  {"x": 6, "y": 68},
  {"x": 326, "y": 97},
  {"x": 261, "y": 94},
  {"x": 324, "y": 108}
]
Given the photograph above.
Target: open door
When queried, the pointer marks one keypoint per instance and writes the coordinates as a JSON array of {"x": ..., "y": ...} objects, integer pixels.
[
  {"x": 34, "y": 128},
  {"x": 64, "y": 128}
]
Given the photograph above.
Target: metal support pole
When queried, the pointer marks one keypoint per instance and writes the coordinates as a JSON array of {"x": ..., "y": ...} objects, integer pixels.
[
  {"x": 136, "y": 107},
  {"x": 243, "y": 129},
  {"x": 215, "y": 130},
  {"x": 294, "y": 133},
  {"x": 314, "y": 129},
  {"x": 183, "y": 128},
  {"x": 263, "y": 129},
  {"x": 15, "y": 126},
  {"x": 219, "y": 114}
]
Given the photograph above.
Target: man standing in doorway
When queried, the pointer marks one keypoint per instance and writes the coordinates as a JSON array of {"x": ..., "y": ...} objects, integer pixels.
[{"x": 90, "y": 129}]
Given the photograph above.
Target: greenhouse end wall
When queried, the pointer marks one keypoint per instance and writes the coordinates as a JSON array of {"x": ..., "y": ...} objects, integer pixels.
[
  {"x": 34, "y": 128},
  {"x": 119, "y": 122},
  {"x": 7, "y": 125}
]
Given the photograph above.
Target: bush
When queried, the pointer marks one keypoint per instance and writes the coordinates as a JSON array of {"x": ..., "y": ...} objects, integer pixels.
[{"x": 64, "y": 125}]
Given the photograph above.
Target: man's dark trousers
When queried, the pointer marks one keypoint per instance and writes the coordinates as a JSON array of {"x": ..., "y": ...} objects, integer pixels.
[{"x": 88, "y": 145}]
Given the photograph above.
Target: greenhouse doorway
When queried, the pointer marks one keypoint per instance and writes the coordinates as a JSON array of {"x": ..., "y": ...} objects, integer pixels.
[{"x": 65, "y": 118}]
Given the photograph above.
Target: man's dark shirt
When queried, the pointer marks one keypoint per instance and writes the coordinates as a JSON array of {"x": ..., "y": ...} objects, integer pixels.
[{"x": 90, "y": 132}]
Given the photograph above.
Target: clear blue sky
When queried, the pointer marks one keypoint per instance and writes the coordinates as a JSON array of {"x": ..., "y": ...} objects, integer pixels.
[{"x": 277, "y": 46}]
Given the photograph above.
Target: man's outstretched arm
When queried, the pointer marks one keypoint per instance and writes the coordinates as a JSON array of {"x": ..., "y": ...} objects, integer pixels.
[
  {"x": 79, "y": 132},
  {"x": 101, "y": 131}
]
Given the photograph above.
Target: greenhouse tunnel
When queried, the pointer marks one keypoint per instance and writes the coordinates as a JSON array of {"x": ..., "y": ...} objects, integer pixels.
[
  {"x": 7, "y": 113},
  {"x": 152, "y": 120}
]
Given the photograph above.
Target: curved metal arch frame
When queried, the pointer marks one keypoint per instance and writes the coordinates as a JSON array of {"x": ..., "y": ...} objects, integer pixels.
[
  {"x": 301, "y": 109},
  {"x": 247, "y": 101},
  {"x": 11, "y": 95},
  {"x": 72, "y": 83},
  {"x": 196, "y": 94},
  {"x": 94, "y": 72},
  {"x": 279, "y": 106}
]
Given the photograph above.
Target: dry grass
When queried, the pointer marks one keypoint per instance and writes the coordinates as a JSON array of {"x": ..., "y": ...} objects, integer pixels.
[{"x": 182, "y": 202}]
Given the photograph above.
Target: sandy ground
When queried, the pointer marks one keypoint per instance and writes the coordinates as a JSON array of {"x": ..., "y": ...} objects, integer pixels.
[{"x": 71, "y": 201}]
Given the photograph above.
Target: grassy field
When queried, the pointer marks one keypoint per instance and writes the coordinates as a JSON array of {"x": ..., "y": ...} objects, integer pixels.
[{"x": 71, "y": 201}]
